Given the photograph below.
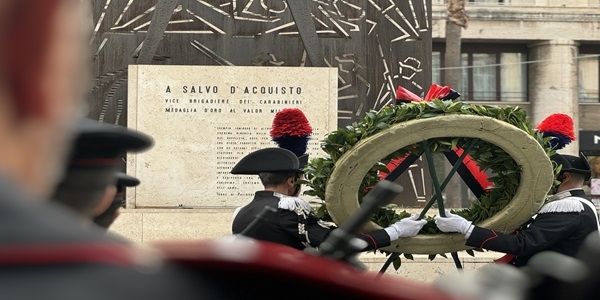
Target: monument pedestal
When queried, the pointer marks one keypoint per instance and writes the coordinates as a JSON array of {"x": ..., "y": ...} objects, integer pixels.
[{"x": 143, "y": 225}]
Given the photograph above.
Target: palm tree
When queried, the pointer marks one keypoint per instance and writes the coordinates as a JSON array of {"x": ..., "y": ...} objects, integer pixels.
[{"x": 456, "y": 21}]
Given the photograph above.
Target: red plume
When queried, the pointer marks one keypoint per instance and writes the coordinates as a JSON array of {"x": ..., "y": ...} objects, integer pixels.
[
  {"x": 292, "y": 122},
  {"x": 560, "y": 127},
  {"x": 559, "y": 123},
  {"x": 291, "y": 130}
]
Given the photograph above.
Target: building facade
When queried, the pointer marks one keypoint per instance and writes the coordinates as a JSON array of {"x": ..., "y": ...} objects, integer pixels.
[{"x": 542, "y": 55}]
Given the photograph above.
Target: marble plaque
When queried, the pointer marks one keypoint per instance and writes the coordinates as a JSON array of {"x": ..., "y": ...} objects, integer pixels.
[{"x": 204, "y": 119}]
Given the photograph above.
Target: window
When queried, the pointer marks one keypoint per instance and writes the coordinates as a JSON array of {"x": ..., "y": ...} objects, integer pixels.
[
  {"x": 588, "y": 70},
  {"x": 490, "y": 72}
]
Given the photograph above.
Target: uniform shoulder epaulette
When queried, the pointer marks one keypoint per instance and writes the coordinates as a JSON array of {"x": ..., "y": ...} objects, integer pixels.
[
  {"x": 570, "y": 204},
  {"x": 293, "y": 204}
]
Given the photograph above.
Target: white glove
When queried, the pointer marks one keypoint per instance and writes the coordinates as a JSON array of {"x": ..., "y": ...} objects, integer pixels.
[
  {"x": 406, "y": 227},
  {"x": 454, "y": 223}
]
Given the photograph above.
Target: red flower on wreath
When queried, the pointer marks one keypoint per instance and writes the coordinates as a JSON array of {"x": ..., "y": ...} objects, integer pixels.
[
  {"x": 436, "y": 91},
  {"x": 404, "y": 95}
]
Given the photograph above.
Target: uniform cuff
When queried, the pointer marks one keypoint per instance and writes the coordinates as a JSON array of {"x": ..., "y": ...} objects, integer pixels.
[
  {"x": 393, "y": 233},
  {"x": 469, "y": 231}
]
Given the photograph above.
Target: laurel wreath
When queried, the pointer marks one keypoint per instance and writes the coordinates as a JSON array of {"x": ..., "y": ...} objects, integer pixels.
[{"x": 506, "y": 173}]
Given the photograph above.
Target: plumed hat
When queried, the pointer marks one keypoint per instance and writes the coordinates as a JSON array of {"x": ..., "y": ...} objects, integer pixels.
[
  {"x": 560, "y": 127},
  {"x": 573, "y": 164},
  {"x": 291, "y": 131},
  {"x": 274, "y": 160}
]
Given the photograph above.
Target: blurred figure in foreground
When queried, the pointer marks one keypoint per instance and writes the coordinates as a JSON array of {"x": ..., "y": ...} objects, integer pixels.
[
  {"x": 90, "y": 183},
  {"x": 108, "y": 217},
  {"x": 45, "y": 251}
]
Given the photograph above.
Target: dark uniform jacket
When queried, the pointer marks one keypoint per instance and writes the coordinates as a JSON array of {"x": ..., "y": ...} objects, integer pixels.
[
  {"x": 560, "y": 225},
  {"x": 294, "y": 224},
  {"x": 47, "y": 252}
]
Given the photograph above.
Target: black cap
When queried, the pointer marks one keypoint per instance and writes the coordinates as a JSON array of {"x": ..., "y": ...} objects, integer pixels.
[
  {"x": 96, "y": 157},
  {"x": 124, "y": 180},
  {"x": 100, "y": 144},
  {"x": 274, "y": 160},
  {"x": 573, "y": 164},
  {"x": 106, "y": 218}
]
